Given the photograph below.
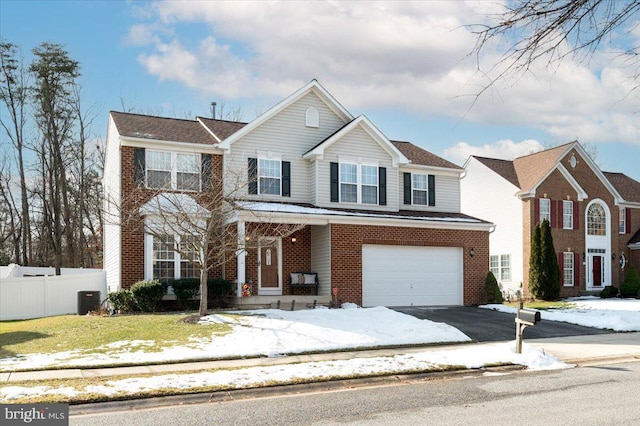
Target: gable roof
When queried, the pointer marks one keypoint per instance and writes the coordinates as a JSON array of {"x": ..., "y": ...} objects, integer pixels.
[
  {"x": 533, "y": 168},
  {"x": 364, "y": 123},
  {"x": 422, "y": 157},
  {"x": 503, "y": 168},
  {"x": 628, "y": 188},
  {"x": 312, "y": 87},
  {"x": 221, "y": 129},
  {"x": 161, "y": 128}
]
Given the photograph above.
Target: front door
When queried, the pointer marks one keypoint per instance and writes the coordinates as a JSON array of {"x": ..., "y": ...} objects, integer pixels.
[
  {"x": 268, "y": 265},
  {"x": 597, "y": 271}
]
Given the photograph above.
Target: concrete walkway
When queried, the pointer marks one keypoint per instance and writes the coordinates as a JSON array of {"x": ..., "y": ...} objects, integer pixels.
[{"x": 584, "y": 349}]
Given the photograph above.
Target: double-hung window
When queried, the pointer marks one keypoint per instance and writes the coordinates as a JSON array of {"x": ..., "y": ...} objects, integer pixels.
[
  {"x": 358, "y": 183},
  {"x": 419, "y": 189},
  {"x": 567, "y": 214},
  {"x": 348, "y": 183},
  {"x": 500, "y": 266},
  {"x": 369, "y": 187},
  {"x": 568, "y": 269},
  {"x": 174, "y": 257},
  {"x": 269, "y": 176},
  {"x": 622, "y": 221},
  {"x": 494, "y": 266},
  {"x": 173, "y": 170},
  {"x": 545, "y": 209}
]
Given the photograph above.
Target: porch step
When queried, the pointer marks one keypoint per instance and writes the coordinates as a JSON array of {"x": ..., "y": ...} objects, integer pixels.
[{"x": 590, "y": 292}]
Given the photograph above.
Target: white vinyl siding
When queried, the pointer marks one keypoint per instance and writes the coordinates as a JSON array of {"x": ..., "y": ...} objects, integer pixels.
[
  {"x": 286, "y": 133},
  {"x": 359, "y": 148},
  {"x": 488, "y": 196},
  {"x": 447, "y": 191},
  {"x": 112, "y": 232},
  {"x": 321, "y": 256}
]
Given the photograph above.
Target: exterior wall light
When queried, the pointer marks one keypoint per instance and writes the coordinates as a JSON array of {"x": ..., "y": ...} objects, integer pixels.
[
  {"x": 472, "y": 252},
  {"x": 293, "y": 240}
]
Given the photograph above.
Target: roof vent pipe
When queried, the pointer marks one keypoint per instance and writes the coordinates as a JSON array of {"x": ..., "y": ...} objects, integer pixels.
[{"x": 213, "y": 110}]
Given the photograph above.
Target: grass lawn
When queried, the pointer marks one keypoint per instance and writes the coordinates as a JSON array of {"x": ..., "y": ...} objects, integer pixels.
[{"x": 90, "y": 333}]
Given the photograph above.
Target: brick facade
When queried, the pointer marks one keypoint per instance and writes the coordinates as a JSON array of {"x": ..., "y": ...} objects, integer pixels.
[{"x": 556, "y": 187}]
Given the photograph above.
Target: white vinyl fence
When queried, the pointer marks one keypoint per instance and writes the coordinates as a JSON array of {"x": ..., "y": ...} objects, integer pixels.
[{"x": 45, "y": 296}]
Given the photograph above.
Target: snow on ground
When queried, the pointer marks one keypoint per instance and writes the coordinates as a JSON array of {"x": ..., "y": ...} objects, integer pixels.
[
  {"x": 276, "y": 332},
  {"x": 269, "y": 332},
  {"x": 591, "y": 311},
  {"x": 469, "y": 357}
]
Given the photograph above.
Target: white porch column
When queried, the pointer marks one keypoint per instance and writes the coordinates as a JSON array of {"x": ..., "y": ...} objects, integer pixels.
[{"x": 241, "y": 255}]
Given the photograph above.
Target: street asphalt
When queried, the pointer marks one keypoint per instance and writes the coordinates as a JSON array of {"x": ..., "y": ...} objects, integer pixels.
[{"x": 486, "y": 325}]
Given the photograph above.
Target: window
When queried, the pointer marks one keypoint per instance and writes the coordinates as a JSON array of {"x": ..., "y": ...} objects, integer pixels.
[
  {"x": 419, "y": 189},
  {"x": 567, "y": 214},
  {"x": 596, "y": 220},
  {"x": 269, "y": 176},
  {"x": 169, "y": 263},
  {"x": 369, "y": 186},
  {"x": 163, "y": 258},
  {"x": 500, "y": 266},
  {"x": 348, "y": 183},
  {"x": 568, "y": 272},
  {"x": 622, "y": 221},
  {"x": 173, "y": 170},
  {"x": 494, "y": 266},
  {"x": 545, "y": 209},
  {"x": 505, "y": 267}
]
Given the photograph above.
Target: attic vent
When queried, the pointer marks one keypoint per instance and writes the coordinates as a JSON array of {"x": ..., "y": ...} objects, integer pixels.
[{"x": 312, "y": 118}]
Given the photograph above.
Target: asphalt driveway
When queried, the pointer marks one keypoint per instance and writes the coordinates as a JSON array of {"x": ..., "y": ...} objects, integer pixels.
[{"x": 485, "y": 325}]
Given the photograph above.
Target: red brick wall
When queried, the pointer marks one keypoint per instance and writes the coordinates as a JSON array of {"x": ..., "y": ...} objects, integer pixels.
[
  {"x": 556, "y": 187},
  {"x": 132, "y": 228},
  {"x": 346, "y": 255}
]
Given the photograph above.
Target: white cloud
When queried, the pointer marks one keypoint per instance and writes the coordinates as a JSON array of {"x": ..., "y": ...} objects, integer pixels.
[
  {"x": 406, "y": 55},
  {"x": 504, "y": 149}
]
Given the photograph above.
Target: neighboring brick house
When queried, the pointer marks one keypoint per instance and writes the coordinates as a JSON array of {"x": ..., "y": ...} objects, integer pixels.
[
  {"x": 381, "y": 221},
  {"x": 593, "y": 216}
]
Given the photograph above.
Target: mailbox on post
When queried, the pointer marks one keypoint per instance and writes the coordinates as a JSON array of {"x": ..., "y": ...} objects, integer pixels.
[{"x": 524, "y": 318}]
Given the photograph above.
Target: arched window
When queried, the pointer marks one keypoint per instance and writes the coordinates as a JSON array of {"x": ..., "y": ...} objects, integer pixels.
[
  {"x": 312, "y": 118},
  {"x": 596, "y": 220}
]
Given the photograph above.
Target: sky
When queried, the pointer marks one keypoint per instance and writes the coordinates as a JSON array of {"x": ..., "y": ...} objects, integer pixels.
[
  {"x": 405, "y": 65},
  {"x": 274, "y": 333}
]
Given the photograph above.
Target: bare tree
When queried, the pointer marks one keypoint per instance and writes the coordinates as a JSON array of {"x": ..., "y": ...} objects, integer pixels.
[
  {"x": 199, "y": 225},
  {"x": 14, "y": 96},
  {"x": 550, "y": 30}
]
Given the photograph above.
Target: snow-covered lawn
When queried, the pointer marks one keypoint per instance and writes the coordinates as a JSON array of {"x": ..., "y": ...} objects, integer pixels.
[
  {"x": 275, "y": 332},
  {"x": 612, "y": 314}
]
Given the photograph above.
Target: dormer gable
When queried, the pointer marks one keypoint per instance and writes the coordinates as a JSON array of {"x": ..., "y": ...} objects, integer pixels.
[
  {"x": 362, "y": 122},
  {"x": 312, "y": 87}
]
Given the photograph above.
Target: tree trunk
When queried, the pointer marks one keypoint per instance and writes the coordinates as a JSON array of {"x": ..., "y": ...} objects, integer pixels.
[{"x": 204, "y": 290}]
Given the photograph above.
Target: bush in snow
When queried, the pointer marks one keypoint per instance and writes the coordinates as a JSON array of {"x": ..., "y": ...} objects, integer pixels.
[
  {"x": 148, "y": 294},
  {"x": 492, "y": 290},
  {"x": 609, "y": 292},
  {"x": 630, "y": 287}
]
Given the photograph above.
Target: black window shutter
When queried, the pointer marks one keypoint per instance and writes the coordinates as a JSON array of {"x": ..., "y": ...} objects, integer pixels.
[
  {"x": 382, "y": 186},
  {"x": 138, "y": 166},
  {"x": 286, "y": 179},
  {"x": 253, "y": 175},
  {"x": 207, "y": 173},
  {"x": 334, "y": 182},
  {"x": 432, "y": 190},
  {"x": 407, "y": 188}
]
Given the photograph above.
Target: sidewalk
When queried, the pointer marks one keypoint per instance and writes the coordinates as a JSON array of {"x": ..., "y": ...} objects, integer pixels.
[{"x": 572, "y": 350}]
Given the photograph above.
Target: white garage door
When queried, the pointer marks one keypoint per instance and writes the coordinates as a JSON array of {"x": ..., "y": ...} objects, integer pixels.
[{"x": 411, "y": 275}]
